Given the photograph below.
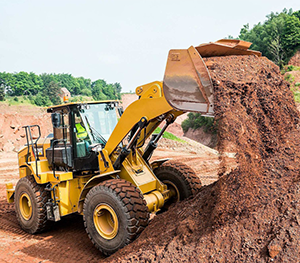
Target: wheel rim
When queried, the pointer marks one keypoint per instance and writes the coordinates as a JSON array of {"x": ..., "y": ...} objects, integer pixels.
[
  {"x": 25, "y": 206},
  {"x": 174, "y": 192},
  {"x": 106, "y": 221}
]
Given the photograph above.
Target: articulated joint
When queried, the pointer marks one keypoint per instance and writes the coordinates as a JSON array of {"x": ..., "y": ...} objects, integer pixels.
[{"x": 154, "y": 200}]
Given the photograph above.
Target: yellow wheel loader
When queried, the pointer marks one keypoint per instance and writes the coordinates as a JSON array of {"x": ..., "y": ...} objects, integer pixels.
[{"x": 96, "y": 162}]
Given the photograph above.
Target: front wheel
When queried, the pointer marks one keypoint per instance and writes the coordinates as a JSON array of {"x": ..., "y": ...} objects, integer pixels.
[
  {"x": 30, "y": 205},
  {"x": 114, "y": 214},
  {"x": 180, "y": 179}
]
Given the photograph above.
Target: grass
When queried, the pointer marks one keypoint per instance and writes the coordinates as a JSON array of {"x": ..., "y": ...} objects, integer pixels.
[
  {"x": 80, "y": 98},
  {"x": 23, "y": 100},
  {"x": 127, "y": 92},
  {"x": 297, "y": 96},
  {"x": 168, "y": 135},
  {"x": 290, "y": 78},
  {"x": 292, "y": 68},
  {"x": 17, "y": 101},
  {"x": 288, "y": 68}
]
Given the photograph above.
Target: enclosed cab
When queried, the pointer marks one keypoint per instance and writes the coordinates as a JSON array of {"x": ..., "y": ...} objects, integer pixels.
[{"x": 77, "y": 128}]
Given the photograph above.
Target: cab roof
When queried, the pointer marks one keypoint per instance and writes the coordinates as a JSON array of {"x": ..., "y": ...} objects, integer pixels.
[{"x": 61, "y": 106}]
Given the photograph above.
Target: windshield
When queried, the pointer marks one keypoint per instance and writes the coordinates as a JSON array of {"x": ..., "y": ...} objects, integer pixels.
[{"x": 101, "y": 120}]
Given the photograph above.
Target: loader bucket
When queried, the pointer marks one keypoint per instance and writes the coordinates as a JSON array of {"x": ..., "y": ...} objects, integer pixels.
[
  {"x": 187, "y": 84},
  {"x": 226, "y": 47}
]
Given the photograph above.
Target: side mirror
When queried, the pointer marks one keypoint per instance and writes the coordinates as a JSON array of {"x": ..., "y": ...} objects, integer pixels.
[{"x": 56, "y": 119}]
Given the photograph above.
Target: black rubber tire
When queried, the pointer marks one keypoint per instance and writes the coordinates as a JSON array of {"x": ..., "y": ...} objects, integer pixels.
[
  {"x": 180, "y": 175},
  {"x": 130, "y": 207},
  {"x": 38, "y": 198}
]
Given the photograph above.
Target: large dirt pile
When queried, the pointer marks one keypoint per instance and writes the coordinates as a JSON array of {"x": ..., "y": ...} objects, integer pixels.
[{"x": 252, "y": 213}]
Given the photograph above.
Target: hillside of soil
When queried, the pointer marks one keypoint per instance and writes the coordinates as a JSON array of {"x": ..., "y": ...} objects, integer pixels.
[
  {"x": 13, "y": 118},
  {"x": 200, "y": 135},
  {"x": 295, "y": 60},
  {"x": 252, "y": 213},
  {"x": 295, "y": 75}
]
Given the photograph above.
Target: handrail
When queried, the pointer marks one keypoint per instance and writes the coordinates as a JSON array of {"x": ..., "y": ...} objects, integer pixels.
[{"x": 33, "y": 145}]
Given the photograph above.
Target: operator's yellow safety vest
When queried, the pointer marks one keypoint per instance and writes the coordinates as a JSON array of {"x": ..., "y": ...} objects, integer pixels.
[{"x": 81, "y": 132}]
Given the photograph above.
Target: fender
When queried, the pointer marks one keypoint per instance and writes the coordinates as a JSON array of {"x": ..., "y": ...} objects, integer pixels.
[
  {"x": 93, "y": 182},
  {"x": 157, "y": 163}
]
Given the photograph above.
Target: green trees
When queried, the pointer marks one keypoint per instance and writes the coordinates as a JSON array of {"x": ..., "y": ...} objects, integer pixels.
[
  {"x": 84, "y": 86},
  {"x": 41, "y": 100},
  {"x": 291, "y": 40},
  {"x": 2, "y": 91},
  {"x": 103, "y": 91},
  {"x": 195, "y": 121},
  {"x": 277, "y": 38},
  {"x": 3, "y": 86},
  {"x": 21, "y": 83},
  {"x": 69, "y": 82},
  {"x": 44, "y": 89},
  {"x": 98, "y": 89},
  {"x": 52, "y": 92},
  {"x": 118, "y": 88}
]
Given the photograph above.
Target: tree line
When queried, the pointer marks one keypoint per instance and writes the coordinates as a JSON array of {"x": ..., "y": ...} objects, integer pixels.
[
  {"x": 44, "y": 89},
  {"x": 278, "y": 37}
]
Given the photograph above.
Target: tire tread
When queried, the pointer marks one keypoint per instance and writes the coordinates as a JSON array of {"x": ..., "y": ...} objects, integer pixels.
[
  {"x": 41, "y": 197},
  {"x": 135, "y": 207},
  {"x": 191, "y": 180}
]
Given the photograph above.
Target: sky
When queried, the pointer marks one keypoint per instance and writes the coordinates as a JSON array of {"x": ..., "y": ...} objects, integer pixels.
[{"x": 125, "y": 41}]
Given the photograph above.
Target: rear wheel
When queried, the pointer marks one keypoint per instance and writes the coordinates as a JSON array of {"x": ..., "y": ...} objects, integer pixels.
[
  {"x": 114, "y": 214},
  {"x": 30, "y": 205},
  {"x": 180, "y": 179}
]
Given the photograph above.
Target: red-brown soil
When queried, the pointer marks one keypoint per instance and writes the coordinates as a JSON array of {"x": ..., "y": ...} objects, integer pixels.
[
  {"x": 127, "y": 99},
  {"x": 200, "y": 135},
  {"x": 295, "y": 74},
  {"x": 12, "y": 118},
  {"x": 252, "y": 213},
  {"x": 295, "y": 60}
]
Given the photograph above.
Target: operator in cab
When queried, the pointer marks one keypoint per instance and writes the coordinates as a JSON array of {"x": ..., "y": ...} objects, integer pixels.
[{"x": 81, "y": 132}]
